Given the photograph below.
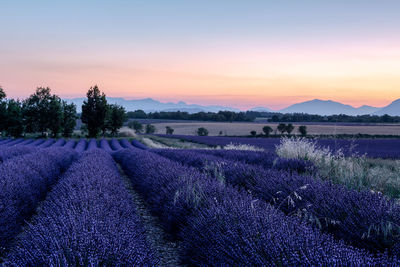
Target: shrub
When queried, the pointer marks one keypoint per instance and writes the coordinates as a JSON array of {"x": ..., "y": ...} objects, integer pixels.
[
  {"x": 135, "y": 125},
  {"x": 267, "y": 130},
  {"x": 202, "y": 131},
  {"x": 303, "y": 130},
  {"x": 150, "y": 129},
  {"x": 169, "y": 130}
]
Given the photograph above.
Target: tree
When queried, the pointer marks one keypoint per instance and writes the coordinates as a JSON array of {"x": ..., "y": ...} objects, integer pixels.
[
  {"x": 289, "y": 128},
  {"x": 303, "y": 130},
  {"x": 267, "y": 130},
  {"x": 169, "y": 130},
  {"x": 150, "y": 128},
  {"x": 2, "y": 94},
  {"x": 137, "y": 114},
  {"x": 282, "y": 128},
  {"x": 36, "y": 111},
  {"x": 202, "y": 131},
  {"x": 135, "y": 125},
  {"x": 116, "y": 118},
  {"x": 3, "y": 111},
  {"x": 55, "y": 118},
  {"x": 69, "y": 118},
  {"x": 253, "y": 133},
  {"x": 14, "y": 124},
  {"x": 94, "y": 111}
]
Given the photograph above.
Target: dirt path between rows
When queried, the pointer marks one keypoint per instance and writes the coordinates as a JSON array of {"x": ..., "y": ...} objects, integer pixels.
[{"x": 166, "y": 251}]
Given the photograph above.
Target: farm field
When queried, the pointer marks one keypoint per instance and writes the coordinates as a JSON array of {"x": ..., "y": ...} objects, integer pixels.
[
  {"x": 374, "y": 148},
  {"x": 119, "y": 202},
  {"x": 243, "y": 128}
]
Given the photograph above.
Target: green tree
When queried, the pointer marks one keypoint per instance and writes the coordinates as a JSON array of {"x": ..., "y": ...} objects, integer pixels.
[
  {"x": 169, "y": 130},
  {"x": 282, "y": 128},
  {"x": 150, "y": 128},
  {"x": 55, "y": 118},
  {"x": 253, "y": 133},
  {"x": 2, "y": 94},
  {"x": 135, "y": 125},
  {"x": 289, "y": 128},
  {"x": 115, "y": 118},
  {"x": 202, "y": 131},
  {"x": 36, "y": 110},
  {"x": 303, "y": 130},
  {"x": 14, "y": 124},
  {"x": 137, "y": 114},
  {"x": 267, "y": 130},
  {"x": 94, "y": 111},
  {"x": 3, "y": 110},
  {"x": 69, "y": 118}
]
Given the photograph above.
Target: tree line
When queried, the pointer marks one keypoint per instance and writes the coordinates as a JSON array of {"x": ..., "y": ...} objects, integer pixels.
[
  {"x": 42, "y": 112},
  {"x": 302, "y": 117},
  {"x": 45, "y": 113},
  {"x": 230, "y": 116}
]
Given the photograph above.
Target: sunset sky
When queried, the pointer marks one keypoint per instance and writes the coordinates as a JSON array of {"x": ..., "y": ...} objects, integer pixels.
[{"x": 237, "y": 53}]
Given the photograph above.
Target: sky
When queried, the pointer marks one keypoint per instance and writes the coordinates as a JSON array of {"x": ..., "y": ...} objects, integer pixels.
[{"x": 241, "y": 54}]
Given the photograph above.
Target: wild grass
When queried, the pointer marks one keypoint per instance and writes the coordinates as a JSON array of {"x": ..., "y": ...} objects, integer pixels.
[
  {"x": 232, "y": 146},
  {"x": 176, "y": 143},
  {"x": 356, "y": 171},
  {"x": 152, "y": 144}
]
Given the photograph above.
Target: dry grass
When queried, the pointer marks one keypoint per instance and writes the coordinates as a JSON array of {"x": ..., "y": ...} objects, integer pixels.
[
  {"x": 214, "y": 128},
  {"x": 355, "y": 172},
  {"x": 126, "y": 132}
]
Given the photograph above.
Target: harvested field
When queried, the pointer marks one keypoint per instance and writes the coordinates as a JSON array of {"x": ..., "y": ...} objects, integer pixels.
[{"x": 238, "y": 128}]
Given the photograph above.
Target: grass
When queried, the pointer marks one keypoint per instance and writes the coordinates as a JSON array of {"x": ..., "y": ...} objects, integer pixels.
[
  {"x": 356, "y": 172},
  {"x": 175, "y": 142}
]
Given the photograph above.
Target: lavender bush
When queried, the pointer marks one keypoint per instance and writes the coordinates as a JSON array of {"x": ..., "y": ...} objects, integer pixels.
[
  {"x": 24, "y": 181},
  {"x": 70, "y": 144},
  {"x": 363, "y": 219},
  {"x": 59, "y": 143},
  {"x": 105, "y": 145},
  {"x": 80, "y": 146},
  {"x": 219, "y": 225},
  {"x": 37, "y": 142},
  {"x": 87, "y": 220},
  {"x": 92, "y": 144},
  {"x": 15, "y": 151},
  {"x": 126, "y": 144},
  {"x": 138, "y": 144},
  {"x": 115, "y": 145},
  {"x": 46, "y": 143}
]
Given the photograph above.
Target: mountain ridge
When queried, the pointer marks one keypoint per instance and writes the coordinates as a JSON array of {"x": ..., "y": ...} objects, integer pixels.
[{"x": 314, "y": 106}]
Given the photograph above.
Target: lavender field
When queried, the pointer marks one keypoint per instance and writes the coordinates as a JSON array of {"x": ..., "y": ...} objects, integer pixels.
[
  {"x": 102, "y": 202},
  {"x": 375, "y": 148}
]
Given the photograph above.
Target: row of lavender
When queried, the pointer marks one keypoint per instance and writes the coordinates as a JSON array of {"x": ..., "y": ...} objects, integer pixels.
[
  {"x": 219, "y": 223},
  {"x": 375, "y": 148},
  {"x": 218, "y": 206},
  {"x": 78, "y": 145},
  {"x": 86, "y": 215},
  {"x": 363, "y": 219}
]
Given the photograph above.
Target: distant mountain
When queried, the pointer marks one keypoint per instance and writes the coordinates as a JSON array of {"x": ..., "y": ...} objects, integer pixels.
[
  {"x": 327, "y": 107},
  {"x": 316, "y": 106},
  {"x": 261, "y": 109},
  {"x": 393, "y": 109},
  {"x": 151, "y": 105}
]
